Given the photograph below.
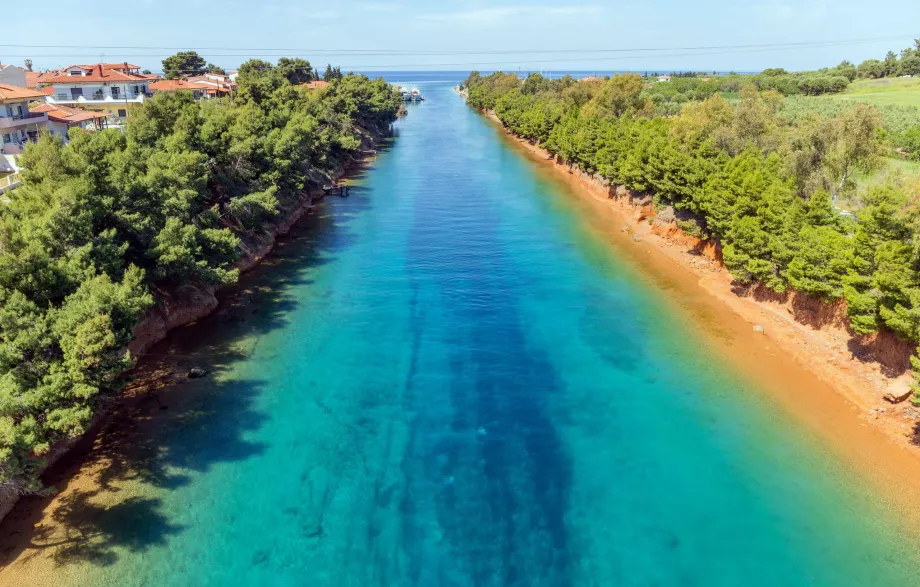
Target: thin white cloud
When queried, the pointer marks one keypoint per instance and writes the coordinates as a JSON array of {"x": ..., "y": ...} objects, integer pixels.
[
  {"x": 371, "y": 6},
  {"x": 785, "y": 11},
  {"x": 311, "y": 14},
  {"x": 500, "y": 13}
]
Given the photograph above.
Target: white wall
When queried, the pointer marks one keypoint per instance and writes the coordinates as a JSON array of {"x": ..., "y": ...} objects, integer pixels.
[
  {"x": 15, "y": 76},
  {"x": 58, "y": 129},
  {"x": 125, "y": 90}
]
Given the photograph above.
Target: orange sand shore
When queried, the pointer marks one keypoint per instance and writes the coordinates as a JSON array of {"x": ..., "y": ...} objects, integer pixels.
[{"x": 808, "y": 370}]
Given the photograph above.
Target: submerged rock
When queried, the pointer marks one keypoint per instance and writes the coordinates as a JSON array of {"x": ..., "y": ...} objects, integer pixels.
[{"x": 196, "y": 373}]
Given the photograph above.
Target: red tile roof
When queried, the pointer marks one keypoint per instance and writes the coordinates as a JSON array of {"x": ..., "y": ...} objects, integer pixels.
[
  {"x": 32, "y": 79},
  {"x": 107, "y": 66},
  {"x": 58, "y": 113},
  {"x": 44, "y": 77},
  {"x": 98, "y": 73},
  {"x": 316, "y": 84},
  {"x": 8, "y": 92}
]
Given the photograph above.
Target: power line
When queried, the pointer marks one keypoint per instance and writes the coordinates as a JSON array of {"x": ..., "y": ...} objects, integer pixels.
[
  {"x": 403, "y": 52},
  {"x": 544, "y": 61}
]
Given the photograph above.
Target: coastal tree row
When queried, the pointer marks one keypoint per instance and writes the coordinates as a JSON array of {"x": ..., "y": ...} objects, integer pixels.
[
  {"x": 739, "y": 172},
  {"x": 102, "y": 224}
]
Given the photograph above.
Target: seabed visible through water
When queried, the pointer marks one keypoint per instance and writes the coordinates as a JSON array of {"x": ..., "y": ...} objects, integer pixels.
[{"x": 445, "y": 379}]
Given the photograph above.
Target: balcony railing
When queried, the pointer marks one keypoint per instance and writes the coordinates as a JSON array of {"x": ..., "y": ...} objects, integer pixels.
[
  {"x": 9, "y": 182},
  {"x": 28, "y": 115},
  {"x": 20, "y": 120}
]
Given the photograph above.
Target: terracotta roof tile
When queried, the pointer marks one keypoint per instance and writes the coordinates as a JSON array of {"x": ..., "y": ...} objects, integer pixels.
[
  {"x": 59, "y": 113},
  {"x": 98, "y": 73},
  {"x": 8, "y": 92}
]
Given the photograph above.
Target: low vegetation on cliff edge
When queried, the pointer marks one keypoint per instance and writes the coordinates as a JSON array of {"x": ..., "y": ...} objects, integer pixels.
[
  {"x": 765, "y": 186},
  {"x": 98, "y": 223}
]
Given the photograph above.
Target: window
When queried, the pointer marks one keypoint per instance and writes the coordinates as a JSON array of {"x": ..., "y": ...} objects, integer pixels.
[
  {"x": 76, "y": 92},
  {"x": 7, "y": 140},
  {"x": 116, "y": 92},
  {"x": 122, "y": 113}
]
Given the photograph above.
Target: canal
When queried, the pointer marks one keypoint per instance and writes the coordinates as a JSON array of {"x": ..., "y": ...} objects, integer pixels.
[{"x": 445, "y": 379}]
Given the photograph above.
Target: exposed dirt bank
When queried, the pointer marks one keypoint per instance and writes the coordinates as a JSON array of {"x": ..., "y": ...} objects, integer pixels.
[{"x": 799, "y": 349}]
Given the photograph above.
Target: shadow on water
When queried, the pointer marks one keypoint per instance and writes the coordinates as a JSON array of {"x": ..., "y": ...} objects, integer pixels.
[
  {"x": 516, "y": 513},
  {"x": 166, "y": 427},
  {"x": 503, "y": 473}
]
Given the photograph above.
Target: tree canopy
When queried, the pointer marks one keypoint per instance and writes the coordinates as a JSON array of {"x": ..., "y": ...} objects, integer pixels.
[
  {"x": 182, "y": 64},
  {"x": 765, "y": 187},
  {"x": 100, "y": 224}
]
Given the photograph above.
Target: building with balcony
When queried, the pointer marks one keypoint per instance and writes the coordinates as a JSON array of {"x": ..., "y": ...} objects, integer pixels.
[
  {"x": 19, "y": 126},
  {"x": 63, "y": 118},
  {"x": 113, "y": 88},
  {"x": 209, "y": 85}
]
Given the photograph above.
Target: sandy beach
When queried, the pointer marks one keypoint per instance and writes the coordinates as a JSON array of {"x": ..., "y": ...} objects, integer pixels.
[{"x": 808, "y": 371}]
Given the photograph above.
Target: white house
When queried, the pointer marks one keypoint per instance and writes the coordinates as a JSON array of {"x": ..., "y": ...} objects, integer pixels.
[
  {"x": 109, "y": 87},
  {"x": 12, "y": 75},
  {"x": 18, "y": 126}
]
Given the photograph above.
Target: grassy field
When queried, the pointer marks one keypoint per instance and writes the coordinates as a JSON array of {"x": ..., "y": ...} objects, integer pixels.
[
  {"x": 895, "y": 170},
  {"x": 883, "y": 92}
]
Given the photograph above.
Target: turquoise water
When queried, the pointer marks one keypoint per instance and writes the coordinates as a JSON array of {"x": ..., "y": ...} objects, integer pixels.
[{"x": 448, "y": 381}]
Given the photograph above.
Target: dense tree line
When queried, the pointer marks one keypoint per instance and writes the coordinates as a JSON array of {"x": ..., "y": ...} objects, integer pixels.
[
  {"x": 740, "y": 173},
  {"x": 901, "y": 123},
  {"x": 907, "y": 63},
  {"x": 101, "y": 223}
]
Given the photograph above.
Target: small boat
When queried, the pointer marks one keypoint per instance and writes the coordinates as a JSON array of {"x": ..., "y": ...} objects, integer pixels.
[{"x": 412, "y": 95}]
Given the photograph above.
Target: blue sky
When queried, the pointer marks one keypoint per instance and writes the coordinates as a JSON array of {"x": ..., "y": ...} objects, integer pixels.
[{"x": 321, "y": 31}]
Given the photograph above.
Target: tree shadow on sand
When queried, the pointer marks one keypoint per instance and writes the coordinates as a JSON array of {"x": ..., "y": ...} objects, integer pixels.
[
  {"x": 166, "y": 427},
  {"x": 94, "y": 533},
  {"x": 109, "y": 502}
]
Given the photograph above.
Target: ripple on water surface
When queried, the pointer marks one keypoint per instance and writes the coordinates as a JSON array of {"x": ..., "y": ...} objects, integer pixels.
[{"x": 439, "y": 381}]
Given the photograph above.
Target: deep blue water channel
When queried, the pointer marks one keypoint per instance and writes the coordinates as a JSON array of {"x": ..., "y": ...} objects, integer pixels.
[{"x": 448, "y": 382}]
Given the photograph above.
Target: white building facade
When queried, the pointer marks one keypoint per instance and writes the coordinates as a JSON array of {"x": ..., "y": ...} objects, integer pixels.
[
  {"x": 110, "y": 87},
  {"x": 18, "y": 126}
]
